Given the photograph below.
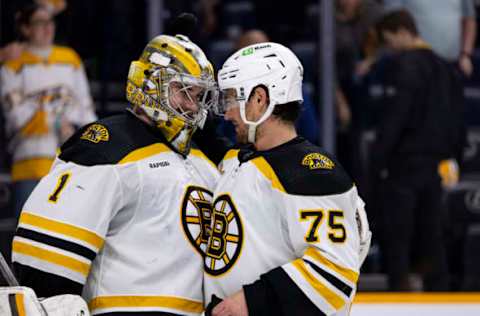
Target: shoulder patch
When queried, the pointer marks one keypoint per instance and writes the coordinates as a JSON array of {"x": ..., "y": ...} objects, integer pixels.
[
  {"x": 317, "y": 161},
  {"x": 96, "y": 133},
  {"x": 305, "y": 169},
  {"x": 112, "y": 140}
]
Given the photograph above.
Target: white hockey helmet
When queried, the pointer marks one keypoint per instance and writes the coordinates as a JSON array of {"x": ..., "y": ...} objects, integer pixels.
[{"x": 269, "y": 64}]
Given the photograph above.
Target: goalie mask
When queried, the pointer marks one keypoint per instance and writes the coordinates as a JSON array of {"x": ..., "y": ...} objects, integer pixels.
[
  {"x": 173, "y": 84},
  {"x": 271, "y": 65}
]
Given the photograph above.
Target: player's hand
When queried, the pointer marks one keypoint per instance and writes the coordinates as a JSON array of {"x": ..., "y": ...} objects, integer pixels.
[
  {"x": 65, "y": 130},
  {"x": 234, "y": 305},
  {"x": 11, "y": 51},
  {"x": 466, "y": 65}
]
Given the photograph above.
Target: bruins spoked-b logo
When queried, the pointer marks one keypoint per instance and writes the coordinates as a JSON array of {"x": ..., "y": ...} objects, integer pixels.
[
  {"x": 317, "y": 161},
  {"x": 226, "y": 237},
  {"x": 196, "y": 216},
  {"x": 96, "y": 133}
]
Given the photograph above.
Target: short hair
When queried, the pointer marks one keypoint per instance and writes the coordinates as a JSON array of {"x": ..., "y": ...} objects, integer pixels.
[
  {"x": 287, "y": 112},
  {"x": 23, "y": 17},
  {"x": 396, "y": 20}
]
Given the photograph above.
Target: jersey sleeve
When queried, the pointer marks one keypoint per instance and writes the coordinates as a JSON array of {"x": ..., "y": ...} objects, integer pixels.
[
  {"x": 63, "y": 226},
  {"x": 321, "y": 280},
  {"x": 17, "y": 109}
]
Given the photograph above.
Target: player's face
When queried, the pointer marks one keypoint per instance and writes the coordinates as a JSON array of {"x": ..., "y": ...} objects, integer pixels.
[
  {"x": 184, "y": 98},
  {"x": 41, "y": 29},
  {"x": 395, "y": 40},
  {"x": 241, "y": 130}
]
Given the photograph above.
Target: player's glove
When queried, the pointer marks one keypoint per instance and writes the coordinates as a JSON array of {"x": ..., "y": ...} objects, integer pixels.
[{"x": 20, "y": 300}]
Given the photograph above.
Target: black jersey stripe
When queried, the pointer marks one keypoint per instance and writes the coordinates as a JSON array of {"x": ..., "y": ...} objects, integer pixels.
[
  {"x": 56, "y": 242},
  {"x": 13, "y": 304},
  {"x": 339, "y": 284}
]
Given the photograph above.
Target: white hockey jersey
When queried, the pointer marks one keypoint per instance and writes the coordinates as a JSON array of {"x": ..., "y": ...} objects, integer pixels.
[
  {"x": 284, "y": 221},
  {"x": 36, "y": 93},
  {"x": 123, "y": 215}
]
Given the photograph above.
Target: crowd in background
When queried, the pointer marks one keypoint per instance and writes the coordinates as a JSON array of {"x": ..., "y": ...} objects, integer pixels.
[{"x": 370, "y": 75}]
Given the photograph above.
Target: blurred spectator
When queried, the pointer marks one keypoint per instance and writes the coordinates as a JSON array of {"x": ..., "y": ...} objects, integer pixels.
[
  {"x": 355, "y": 47},
  {"x": 11, "y": 51},
  {"x": 14, "y": 49},
  {"x": 419, "y": 137},
  {"x": 54, "y": 6},
  {"x": 45, "y": 95},
  {"x": 449, "y": 26}
]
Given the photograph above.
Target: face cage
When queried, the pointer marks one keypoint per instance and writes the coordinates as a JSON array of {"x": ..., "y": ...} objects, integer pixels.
[{"x": 165, "y": 79}]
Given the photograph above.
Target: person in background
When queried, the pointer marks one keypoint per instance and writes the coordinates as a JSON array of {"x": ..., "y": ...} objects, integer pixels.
[
  {"x": 448, "y": 26},
  {"x": 45, "y": 97},
  {"x": 419, "y": 140},
  {"x": 355, "y": 52}
]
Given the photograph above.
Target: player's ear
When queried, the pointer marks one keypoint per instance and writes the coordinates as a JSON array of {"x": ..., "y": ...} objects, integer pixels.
[{"x": 261, "y": 96}]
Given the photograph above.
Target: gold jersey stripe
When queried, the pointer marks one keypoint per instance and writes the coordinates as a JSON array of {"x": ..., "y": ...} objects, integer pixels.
[
  {"x": 37, "y": 125},
  {"x": 50, "y": 256},
  {"x": 418, "y": 298},
  {"x": 19, "y": 301},
  {"x": 62, "y": 228},
  {"x": 177, "y": 303},
  {"x": 31, "y": 169},
  {"x": 200, "y": 154},
  {"x": 144, "y": 152},
  {"x": 232, "y": 153},
  {"x": 348, "y": 274},
  {"x": 64, "y": 55},
  {"x": 58, "y": 55},
  {"x": 268, "y": 172},
  {"x": 331, "y": 297}
]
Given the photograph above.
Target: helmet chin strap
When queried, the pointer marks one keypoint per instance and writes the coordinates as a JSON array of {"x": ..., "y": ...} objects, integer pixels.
[
  {"x": 252, "y": 131},
  {"x": 252, "y": 126}
]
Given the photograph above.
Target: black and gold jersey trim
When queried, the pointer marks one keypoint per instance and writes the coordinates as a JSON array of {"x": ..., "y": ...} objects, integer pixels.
[
  {"x": 275, "y": 293},
  {"x": 56, "y": 242},
  {"x": 16, "y": 304},
  {"x": 87, "y": 236},
  {"x": 293, "y": 173},
  {"x": 45, "y": 284},
  {"x": 339, "y": 284},
  {"x": 129, "y": 139}
]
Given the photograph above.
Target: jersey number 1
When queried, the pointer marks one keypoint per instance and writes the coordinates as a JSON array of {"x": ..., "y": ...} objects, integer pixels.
[{"x": 62, "y": 181}]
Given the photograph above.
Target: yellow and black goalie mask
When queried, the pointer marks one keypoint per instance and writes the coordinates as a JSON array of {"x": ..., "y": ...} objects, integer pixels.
[{"x": 173, "y": 83}]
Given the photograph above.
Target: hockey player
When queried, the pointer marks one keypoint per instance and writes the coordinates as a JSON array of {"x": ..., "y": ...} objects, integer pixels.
[
  {"x": 289, "y": 231},
  {"x": 122, "y": 216}
]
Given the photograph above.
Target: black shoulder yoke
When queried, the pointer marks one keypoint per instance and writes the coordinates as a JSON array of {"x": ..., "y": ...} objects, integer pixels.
[
  {"x": 108, "y": 140},
  {"x": 305, "y": 169}
]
